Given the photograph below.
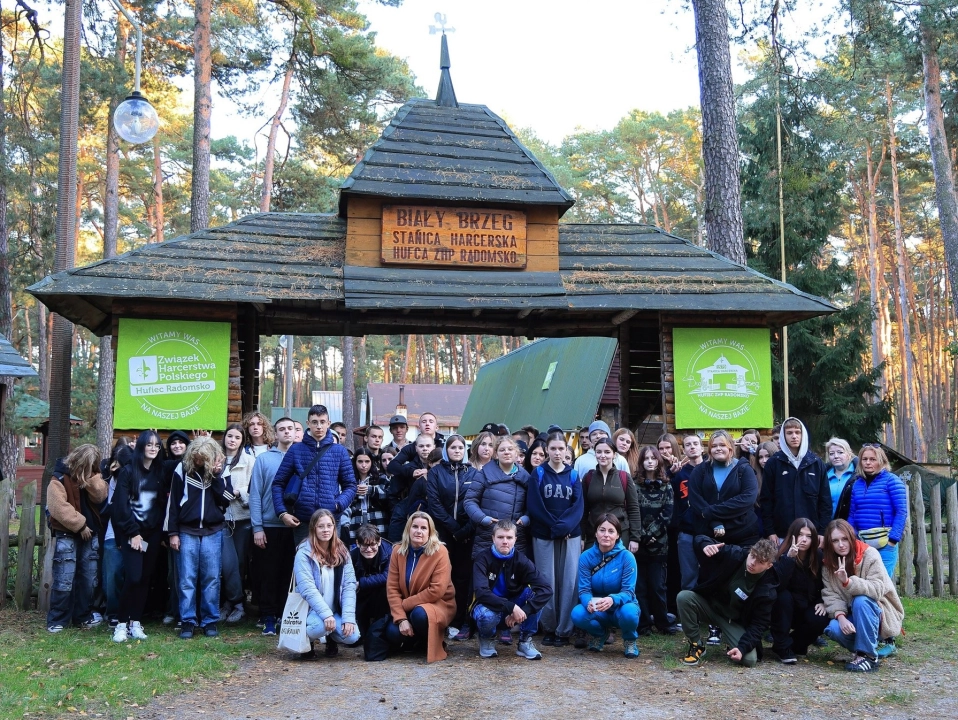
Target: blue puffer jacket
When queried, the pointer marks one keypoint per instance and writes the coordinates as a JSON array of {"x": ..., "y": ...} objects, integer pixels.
[
  {"x": 616, "y": 579},
  {"x": 500, "y": 496},
  {"x": 330, "y": 484},
  {"x": 447, "y": 485},
  {"x": 879, "y": 502},
  {"x": 309, "y": 578}
]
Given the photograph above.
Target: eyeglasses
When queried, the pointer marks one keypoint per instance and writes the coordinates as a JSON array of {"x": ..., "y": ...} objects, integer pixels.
[{"x": 367, "y": 546}]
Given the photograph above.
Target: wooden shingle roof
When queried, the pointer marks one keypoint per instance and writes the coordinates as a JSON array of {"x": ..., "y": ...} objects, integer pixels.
[
  {"x": 625, "y": 267},
  {"x": 452, "y": 154},
  {"x": 296, "y": 260}
]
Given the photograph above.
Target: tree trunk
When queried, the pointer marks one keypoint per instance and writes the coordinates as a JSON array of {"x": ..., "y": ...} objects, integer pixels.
[
  {"x": 61, "y": 369},
  {"x": 938, "y": 142},
  {"x": 202, "y": 111},
  {"x": 270, "y": 159},
  {"x": 723, "y": 196},
  {"x": 159, "y": 219}
]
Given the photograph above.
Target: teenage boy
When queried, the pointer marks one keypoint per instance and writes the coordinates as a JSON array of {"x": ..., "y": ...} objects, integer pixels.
[
  {"x": 587, "y": 461},
  {"x": 273, "y": 548},
  {"x": 323, "y": 471},
  {"x": 555, "y": 504},
  {"x": 508, "y": 589},
  {"x": 735, "y": 592},
  {"x": 794, "y": 484},
  {"x": 374, "y": 444},
  {"x": 398, "y": 429}
]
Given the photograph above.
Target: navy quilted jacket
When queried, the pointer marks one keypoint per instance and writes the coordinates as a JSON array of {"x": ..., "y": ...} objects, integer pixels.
[{"x": 330, "y": 484}]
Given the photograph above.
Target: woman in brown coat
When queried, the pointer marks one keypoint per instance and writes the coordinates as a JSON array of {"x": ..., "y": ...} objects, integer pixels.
[{"x": 422, "y": 599}]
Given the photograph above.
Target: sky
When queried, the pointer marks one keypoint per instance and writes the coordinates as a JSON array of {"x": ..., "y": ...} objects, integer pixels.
[{"x": 550, "y": 66}]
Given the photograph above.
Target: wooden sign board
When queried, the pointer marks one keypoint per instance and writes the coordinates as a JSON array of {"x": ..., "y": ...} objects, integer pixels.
[{"x": 454, "y": 236}]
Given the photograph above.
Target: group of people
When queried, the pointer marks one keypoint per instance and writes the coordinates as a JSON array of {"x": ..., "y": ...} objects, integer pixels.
[{"x": 407, "y": 546}]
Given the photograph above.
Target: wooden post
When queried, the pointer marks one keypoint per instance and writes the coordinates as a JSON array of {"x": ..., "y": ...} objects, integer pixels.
[
  {"x": 27, "y": 538},
  {"x": 921, "y": 537},
  {"x": 6, "y": 499},
  {"x": 906, "y": 552},
  {"x": 937, "y": 556},
  {"x": 45, "y": 584},
  {"x": 951, "y": 507},
  {"x": 625, "y": 365}
]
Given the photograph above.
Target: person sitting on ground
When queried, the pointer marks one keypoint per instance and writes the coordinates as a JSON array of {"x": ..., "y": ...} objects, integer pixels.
[
  {"x": 735, "y": 592},
  {"x": 508, "y": 589},
  {"x": 422, "y": 600},
  {"x": 859, "y": 597},
  {"x": 326, "y": 580},
  {"x": 199, "y": 498},
  {"x": 73, "y": 499},
  {"x": 798, "y": 616},
  {"x": 607, "y": 589},
  {"x": 370, "y": 556},
  {"x": 556, "y": 505},
  {"x": 794, "y": 484}
]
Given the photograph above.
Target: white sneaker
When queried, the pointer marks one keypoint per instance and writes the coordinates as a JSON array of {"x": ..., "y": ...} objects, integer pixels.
[
  {"x": 452, "y": 632},
  {"x": 119, "y": 633},
  {"x": 136, "y": 631},
  {"x": 237, "y": 614},
  {"x": 168, "y": 619}
]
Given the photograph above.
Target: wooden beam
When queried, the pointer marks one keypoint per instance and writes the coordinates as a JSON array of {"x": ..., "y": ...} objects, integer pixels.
[
  {"x": 476, "y": 312},
  {"x": 625, "y": 362},
  {"x": 621, "y": 317},
  {"x": 524, "y": 313}
]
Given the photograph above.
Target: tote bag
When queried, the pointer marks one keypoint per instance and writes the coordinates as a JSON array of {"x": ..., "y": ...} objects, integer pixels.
[{"x": 292, "y": 630}]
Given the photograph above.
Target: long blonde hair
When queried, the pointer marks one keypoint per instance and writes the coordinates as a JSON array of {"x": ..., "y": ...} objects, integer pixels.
[
  {"x": 474, "y": 449},
  {"x": 84, "y": 463},
  {"x": 433, "y": 543},
  {"x": 207, "y": 451}
]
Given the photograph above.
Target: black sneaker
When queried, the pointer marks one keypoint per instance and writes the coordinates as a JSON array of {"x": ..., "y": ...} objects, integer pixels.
[
  {"x": 715, "y": 636},
  {"x": 786, "y": 656},
  {"x": 561, "y": 641},
  {"x": 549, "y": 640},
  {"x": 332, "y": 648},
  {"x": 862, "y": 664},
  {"x": 694, "y": 656},
  {"x": 186, "y": 631},
  {"x": 580, "y": 641},
  {"x": 210, "y": 630}
]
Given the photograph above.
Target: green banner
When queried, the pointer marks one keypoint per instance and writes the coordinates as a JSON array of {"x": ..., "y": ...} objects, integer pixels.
[
  {"x": 172, "y": 375},
  {"x": 723, "y": 378}
]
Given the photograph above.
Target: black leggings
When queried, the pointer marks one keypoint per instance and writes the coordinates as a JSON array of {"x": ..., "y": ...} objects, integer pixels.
[
  {"x": 138, "y": 571},
  {"x": 420, "y": 629}
]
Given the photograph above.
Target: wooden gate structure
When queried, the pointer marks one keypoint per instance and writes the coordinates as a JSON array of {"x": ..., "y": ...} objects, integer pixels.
[{"x": 447, "y": 224}]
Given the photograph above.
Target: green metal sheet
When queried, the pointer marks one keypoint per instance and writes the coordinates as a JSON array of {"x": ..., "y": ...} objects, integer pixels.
[{"x": 510, "y": 389}]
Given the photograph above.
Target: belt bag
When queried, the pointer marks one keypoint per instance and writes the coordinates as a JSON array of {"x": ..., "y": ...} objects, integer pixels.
[
  {"x": 875, "y": 537},
  {"x": 291, "y": 494}
]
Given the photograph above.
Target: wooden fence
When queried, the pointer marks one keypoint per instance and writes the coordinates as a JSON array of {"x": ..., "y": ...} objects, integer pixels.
[
  {"x": 923, "y": 563},
  {"x": 29, "y": 575}
]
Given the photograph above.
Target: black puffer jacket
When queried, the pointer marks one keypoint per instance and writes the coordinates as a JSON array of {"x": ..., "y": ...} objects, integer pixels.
[
  {"x": 446, "y": 487},
  {"x": 733, "y": 506},
  {"x": 501, "y": 496}
]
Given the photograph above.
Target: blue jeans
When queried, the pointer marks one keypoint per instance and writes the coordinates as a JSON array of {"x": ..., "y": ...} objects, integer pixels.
[
  {"x": 420, "y": 628},
  {"x": 688, "y": 563},
  {"x": 598, "y": 624},
  {"x": 316, "y": 628},
  {"x": 74, "y": 578},
  {"x": 112, "y": 577},
  {"x": 198, "y": 562},
  {"x": 487, "y": 620},
  {"x": 889, "y": 557},
  {"x": 865, "y": 615}
]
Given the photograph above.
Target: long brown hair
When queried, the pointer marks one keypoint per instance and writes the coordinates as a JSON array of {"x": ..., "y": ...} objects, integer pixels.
[
  {"x": 660, "y": 473},
  {"x": 474, "y": 449},
  {"x": 335, "y": 552},
  {"x": 632, "y": 456},
  {"x": 830, "y": 556},
  {"x": 811, "y": 555}
]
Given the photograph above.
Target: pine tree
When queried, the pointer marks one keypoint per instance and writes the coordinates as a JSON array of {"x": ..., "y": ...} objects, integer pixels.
[{"x": 831, "y": 383}]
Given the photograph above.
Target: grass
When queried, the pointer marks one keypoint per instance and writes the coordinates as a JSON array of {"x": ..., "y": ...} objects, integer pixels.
[{"x": 84, "y": 672}]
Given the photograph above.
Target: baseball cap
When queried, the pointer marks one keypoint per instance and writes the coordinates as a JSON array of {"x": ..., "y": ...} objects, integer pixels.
[{"x": 397, "y": 420}]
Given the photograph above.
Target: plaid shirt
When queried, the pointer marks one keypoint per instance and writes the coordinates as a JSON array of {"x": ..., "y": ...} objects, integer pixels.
[{"x": 370, "y": 509}]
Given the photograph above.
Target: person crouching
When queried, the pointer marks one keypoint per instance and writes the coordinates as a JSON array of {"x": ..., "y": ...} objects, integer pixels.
[{"x": 508, "y": 589}]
